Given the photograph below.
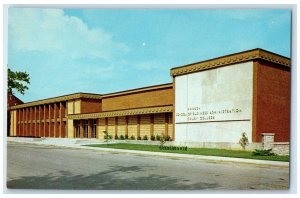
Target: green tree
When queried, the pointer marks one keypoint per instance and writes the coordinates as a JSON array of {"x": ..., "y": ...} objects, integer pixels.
[
  {"x": 244, "y": 141},
  {"x": 17, "y": 80}
]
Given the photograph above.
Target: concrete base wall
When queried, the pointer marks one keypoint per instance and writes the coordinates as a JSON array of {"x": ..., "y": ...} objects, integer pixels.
[{"x": 281, "y": 148}]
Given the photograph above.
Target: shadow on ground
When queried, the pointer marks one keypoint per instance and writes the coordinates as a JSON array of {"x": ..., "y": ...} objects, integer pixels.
[{"x": 115, "y": 178}]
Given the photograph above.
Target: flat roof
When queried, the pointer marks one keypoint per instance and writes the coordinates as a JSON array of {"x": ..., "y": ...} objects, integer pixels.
[
  {"x": 230, "y": 59},
  {"x": 141, "y": 89},
  {"x": 58, "y": 99},
  {"x": 89, "y": 96}
]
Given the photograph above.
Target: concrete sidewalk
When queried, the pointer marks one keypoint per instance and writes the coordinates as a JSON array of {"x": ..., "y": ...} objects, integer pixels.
[{"x": 78, "y": 144}]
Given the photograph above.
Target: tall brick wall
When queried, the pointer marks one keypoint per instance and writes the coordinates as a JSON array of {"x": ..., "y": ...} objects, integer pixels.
[
  {"x": 145, "y": 126},
  {"x": 91, "y": 105},
  {"x": 122, "y": 126},
  {"x": 159, "y": 124},
  {"x": 132, "y": 126},
  {"x": 170, "y": 125},
  {"x": 139, "y": 100},
  {"x": 111, "y": 126},
  {"x": 101, "y": 128},
  {"x": 271, "y": 101}
]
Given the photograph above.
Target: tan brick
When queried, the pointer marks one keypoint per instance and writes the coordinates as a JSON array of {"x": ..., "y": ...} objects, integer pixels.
[
  {"x": 132, "y": 126},
  {"x": 145, "y": 125},
  {"x": 111, "y": 126},
  {"x": 121, "y": 126},
  {"x": 159, "y": 124},
  {"x": 101, "y": 128}
]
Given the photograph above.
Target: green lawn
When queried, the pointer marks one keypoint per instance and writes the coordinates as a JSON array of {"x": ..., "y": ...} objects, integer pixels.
[{"x": 194, "y": 151}]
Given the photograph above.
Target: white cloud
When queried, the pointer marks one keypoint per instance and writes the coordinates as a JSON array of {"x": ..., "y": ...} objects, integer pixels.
[
  {"x": 55, "y": 48},
  {"x": 49, "y": 30}
]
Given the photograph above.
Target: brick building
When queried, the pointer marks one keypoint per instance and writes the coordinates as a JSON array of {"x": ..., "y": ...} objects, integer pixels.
[{"x": 211, "y": 101}]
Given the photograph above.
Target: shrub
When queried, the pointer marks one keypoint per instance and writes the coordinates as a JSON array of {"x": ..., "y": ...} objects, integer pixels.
[
  {"x": 244, "y": 141},
  {"x": 132, "y": 137},
  {"x": 152, "y": 137},
  {"x": 106, "y": 136},
  {"x": 145, "y": 137},
  {"x": 262, "y": 152},
  {"x": 162, "y": 139},
  {"x": 122, "y": 137},
  {"x": 109, "y": 136},
  {"x": 126, "y": 137},
  {"x": 116, "y": 137},
  {"x": 168, "y": 138},
  {"x": 158, "y": 137},
  {"x": 139, "y": 138}
]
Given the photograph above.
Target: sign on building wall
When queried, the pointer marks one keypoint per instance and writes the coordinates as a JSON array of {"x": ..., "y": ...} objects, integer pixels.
[{"x": 208, "y": 102}]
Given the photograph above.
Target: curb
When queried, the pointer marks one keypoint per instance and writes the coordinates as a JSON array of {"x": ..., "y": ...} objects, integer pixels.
[
  {"x": 199, "y": 157},
  {"x": 162, "y": 154}
]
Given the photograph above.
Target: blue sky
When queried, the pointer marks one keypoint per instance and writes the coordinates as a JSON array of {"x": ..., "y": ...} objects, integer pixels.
[{"x": 103, "y": 51}]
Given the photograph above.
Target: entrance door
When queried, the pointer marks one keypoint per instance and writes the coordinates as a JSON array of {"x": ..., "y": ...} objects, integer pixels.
[{"x": 77, "y": 128}]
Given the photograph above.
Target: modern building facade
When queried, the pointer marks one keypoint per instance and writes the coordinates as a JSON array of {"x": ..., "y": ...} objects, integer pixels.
[
  {"x": 209, "y": 102},
  {"x": 138, "y": 112}
]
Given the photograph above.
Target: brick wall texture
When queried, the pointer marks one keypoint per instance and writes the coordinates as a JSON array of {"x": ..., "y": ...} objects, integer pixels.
[{"x": 271, "y": 98}]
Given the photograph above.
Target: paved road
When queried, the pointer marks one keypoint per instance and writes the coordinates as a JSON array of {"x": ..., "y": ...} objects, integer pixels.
[{"x": 48, "y": 167}]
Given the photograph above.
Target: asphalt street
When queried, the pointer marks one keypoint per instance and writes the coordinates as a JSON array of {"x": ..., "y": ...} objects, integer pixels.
[{"x": 32, "y": 166}]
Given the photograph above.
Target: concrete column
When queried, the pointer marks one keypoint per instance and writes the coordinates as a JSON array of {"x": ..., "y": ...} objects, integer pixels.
[
  {"x": 267, "y": 140},
  {"x": 151, "y": 124},
  {"x": 106, "y": 124},
  {"x": 31, "y": 122},
  {"x": 126, "y": 127},
  {"x": 81, "y": 128},
  {"x": 44, "y": 131},
  {"x": 139, "y": 126},
  {"x": 97, "y": 132},
  {"x": 27, "y": 122},
  {"x": 73, "y": 106},
  {"x": 23, "y": 125},
  {"x": 49, "y": 114},
  {"x": 39, "y": 116},
  {"x": 166, "y": 124},
  {"x": 116, "y": 126},
  {"x": 60, "y": 119},
  {"x": 89, "y": 128},
  {"x": 173, "y": 113},
  {"x": 55, "y": 121},
  {"x": 18, "y": 122},
  {"x": 35, "y": 122}
]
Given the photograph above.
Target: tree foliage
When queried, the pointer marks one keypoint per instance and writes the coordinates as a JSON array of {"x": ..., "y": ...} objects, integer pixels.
[
  {"x": 18, "y": 81},
  {"x": 244, "y": 141}
]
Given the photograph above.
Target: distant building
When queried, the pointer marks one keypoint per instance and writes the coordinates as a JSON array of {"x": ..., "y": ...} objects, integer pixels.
[
  {"x": 13, "y": 100},
  {"x": 209, "y": 104}
]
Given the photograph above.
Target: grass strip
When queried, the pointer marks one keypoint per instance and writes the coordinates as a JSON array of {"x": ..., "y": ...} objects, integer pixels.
[{"x": 194, "y": 151}]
